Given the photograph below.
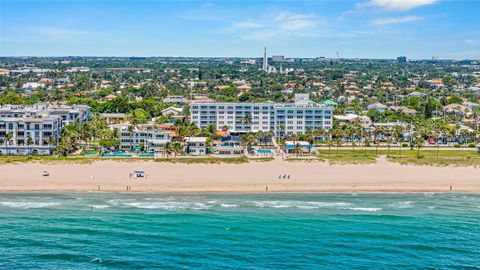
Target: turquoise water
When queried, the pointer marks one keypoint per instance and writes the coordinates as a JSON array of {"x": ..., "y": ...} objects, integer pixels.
[{"x": 271, "y": 231}]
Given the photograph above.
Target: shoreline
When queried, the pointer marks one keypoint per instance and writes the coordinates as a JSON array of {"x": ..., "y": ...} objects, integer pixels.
[{"x": 248, "y": 178}]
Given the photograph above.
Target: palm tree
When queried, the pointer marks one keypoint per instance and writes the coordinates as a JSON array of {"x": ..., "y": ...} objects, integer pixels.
[
  {"x": 388, "y": 141},
  {"x": 130, "y": 131},
  {"x": 8, "y": 137},
  {"x": 51, "y": 141},
  {"x": 247, "y": 120},
  {"x": 168, "y": 149},
  {"x": 330, "y": 144},
  {"x": 419, "y": 141},
  {"x": 338, "y": 143},
  {"x": 29, "y": 142},
  {"x": 400, "y": 142}
]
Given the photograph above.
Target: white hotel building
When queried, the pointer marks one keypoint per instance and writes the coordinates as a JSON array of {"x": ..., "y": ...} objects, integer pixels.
[{"x": 281, "y": 118}]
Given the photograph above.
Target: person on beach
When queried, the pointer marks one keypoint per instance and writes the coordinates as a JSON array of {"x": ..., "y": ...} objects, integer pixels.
[{"x": 130, "y": 176}]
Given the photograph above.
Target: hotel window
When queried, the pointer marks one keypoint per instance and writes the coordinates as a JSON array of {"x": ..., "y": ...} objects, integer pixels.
[
  {"x": 256, "y": 108},
  {"x": 290, "y": 116},
  {"x": 299, "y": 122},
  {"x": 299, "y": 116},
  {"x": 221, "y": 107},
  {"x": 290, "y": 111}
]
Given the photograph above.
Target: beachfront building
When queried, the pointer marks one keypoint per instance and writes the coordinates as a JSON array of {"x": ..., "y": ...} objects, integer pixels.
[
  {"x": 35, "y": 129},
  {"x": 156, "y": 146},
  {"x": 68, "y": 114},
  {"x": 29, "y": 135},
  {"x": 152, "y": 141},
  {"x": 281, "y": 118},
  {"x": 230, "y": 146},
  {"x": 196, "y": 146},
  {"x": 297, "y": 147}
]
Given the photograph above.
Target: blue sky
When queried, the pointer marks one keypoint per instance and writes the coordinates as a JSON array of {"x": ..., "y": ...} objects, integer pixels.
[{"x": 449, "y": 29}]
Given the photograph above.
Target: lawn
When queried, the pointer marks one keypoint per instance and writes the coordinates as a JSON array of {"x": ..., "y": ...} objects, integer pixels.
[{"x": 430, "y": 157}]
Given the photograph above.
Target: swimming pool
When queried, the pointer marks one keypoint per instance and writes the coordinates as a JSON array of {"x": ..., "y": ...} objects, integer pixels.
[{"x": 264, "y": 151}]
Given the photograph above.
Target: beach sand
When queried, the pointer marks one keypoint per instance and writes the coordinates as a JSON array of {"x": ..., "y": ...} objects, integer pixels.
[{"x": 253, "y": 177}]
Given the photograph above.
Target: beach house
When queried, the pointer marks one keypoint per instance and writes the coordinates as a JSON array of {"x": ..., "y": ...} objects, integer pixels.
[
  {"x": 230, "y": 146},
  {"x": 196, "y": 146},
  {"x": 134, "y": 139}
]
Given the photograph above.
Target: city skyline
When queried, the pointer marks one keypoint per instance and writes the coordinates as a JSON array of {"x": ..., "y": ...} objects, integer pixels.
[{"x": 418, "y": 29}]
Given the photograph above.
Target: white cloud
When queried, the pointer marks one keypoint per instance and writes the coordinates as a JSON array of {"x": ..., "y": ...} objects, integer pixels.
[
  {"x": 395, "y": 20},
  {"x": 397, "y": 5},
  {"x": 278, "y": 25}
]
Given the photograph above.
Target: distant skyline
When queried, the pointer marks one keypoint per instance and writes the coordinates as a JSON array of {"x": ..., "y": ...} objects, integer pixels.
[{"x": 417, "y": 29}]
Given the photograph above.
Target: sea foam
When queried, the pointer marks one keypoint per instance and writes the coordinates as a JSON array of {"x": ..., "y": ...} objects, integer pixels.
[
  {"x": 27, "y": 205},
  {"x": 298, "y": 204},
  {"x": 365, "y": 209}
]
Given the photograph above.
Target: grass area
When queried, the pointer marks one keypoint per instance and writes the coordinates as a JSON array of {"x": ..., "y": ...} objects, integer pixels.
[
  {"x": 87, "y": 159},
  {"x": 212, "y": 160},
  {"x": 46, "y": 159},
  {"x": 429, "y": 157}
]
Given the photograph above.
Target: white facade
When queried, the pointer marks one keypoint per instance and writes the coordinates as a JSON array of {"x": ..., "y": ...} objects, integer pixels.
[
  {"x": 196, "y": 146},
  {"x": 29, "y": 135},
  {"x": 282, "y": 118},
  {"x": 35, "y": 129},
  {"x": 130, "y": 140}
]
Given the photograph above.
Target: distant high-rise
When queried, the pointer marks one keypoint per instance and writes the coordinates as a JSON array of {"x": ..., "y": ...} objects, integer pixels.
[
  {"x": 401, "y": 59},
  {"x": 265, "y": 59}
]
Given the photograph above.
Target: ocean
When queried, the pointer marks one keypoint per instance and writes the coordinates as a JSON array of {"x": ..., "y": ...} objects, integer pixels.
[{"x": 230, "y": 231}]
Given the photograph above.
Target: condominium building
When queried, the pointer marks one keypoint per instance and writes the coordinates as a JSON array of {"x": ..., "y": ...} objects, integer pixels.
[
  {"x": 35, "y": 129},
  {"x": 29, "y": 135},
  {"x": 282, "y": 118},
  {"x": 151, "y": 140},
  {"x": 68, "y": 114}
]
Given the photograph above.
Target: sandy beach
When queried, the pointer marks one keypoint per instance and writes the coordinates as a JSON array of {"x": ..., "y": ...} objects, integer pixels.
[{"x": 252, "y": 177}]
